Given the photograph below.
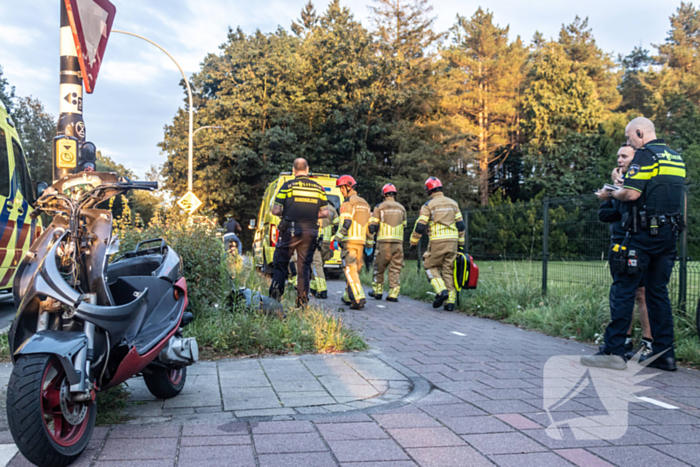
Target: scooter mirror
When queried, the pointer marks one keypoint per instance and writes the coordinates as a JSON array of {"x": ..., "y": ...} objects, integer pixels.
[
  {"x": 251, "y": 225},
  {"x": 113, "y": 247}
]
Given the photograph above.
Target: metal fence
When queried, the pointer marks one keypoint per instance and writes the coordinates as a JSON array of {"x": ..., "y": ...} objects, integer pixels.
[{"x": 560, "y": 243}]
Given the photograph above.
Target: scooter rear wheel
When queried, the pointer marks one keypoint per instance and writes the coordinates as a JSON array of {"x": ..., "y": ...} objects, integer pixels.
[
  {"x": 48, "y": 428},
  {"x": 165, "y": 383}
]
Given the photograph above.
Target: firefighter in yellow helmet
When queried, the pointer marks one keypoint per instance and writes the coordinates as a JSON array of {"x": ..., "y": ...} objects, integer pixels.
[
  {"x": 388, "y": 223},
  {"x": 442, "y": 220},
  {"x": 323, "y": 253},
  {"x": 352, "y": 235}
]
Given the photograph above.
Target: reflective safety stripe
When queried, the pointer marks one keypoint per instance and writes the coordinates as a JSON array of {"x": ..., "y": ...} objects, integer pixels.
[
  {"x": 438, "y": 285},
  {"x": 387, "y": 232},
  {"x": 451, "y": 298},
  {"x": 321, "y": 285},
  {"x": 394, "y": 293},
  {"x": 440, "y": 232},
  {"x": 663, "y": 167}
]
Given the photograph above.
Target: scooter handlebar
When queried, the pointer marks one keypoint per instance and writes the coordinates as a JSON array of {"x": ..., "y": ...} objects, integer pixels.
[{"x": 144, "y": 185}]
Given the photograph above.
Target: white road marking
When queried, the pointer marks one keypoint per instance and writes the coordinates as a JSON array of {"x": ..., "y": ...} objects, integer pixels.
[
  {"x": 338, "y": 291},
  {"x": 7, "y": 452},
  {"x": 658, "y": 403},
  {"x": 381, "y": 306},
  {"x": 459, "y": 334}
]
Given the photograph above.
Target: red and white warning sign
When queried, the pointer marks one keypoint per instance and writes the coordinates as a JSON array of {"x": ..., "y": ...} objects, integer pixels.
[{"x": 91, "y": 22}]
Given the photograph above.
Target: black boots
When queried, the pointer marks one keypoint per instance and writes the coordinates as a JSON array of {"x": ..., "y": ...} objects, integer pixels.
[{"x": 440, "y": 299}]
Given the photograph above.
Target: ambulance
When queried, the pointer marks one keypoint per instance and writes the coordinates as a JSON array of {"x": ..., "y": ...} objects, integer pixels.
[
  {"x": 266, "y": 234},
  {"x": 17, "y": 195}
]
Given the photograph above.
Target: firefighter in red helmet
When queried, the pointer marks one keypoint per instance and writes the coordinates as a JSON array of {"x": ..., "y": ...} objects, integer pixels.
[
  {"x": 388, "y": 223},
  {"x": 442, "y": 220},
  {"x": 351, "y": 237}
]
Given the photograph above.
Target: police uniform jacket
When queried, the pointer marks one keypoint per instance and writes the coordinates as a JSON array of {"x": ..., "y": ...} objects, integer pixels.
[{"x": 301, "y": 199}]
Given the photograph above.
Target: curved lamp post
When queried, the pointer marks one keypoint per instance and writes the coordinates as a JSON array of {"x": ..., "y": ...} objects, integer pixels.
[{"x": 189, "y": 93}]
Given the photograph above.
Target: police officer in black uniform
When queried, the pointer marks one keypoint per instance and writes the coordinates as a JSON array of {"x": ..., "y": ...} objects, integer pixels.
[
  {"x": 653, "y": 188},
  {"x": 300, "y": 203}
]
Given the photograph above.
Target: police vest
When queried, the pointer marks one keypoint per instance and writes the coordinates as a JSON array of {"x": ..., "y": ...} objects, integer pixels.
[{"x": 658, "y": 173}]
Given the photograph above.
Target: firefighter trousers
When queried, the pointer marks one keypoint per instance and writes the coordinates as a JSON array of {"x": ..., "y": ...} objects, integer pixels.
[
  {"x": 352, "y": 256},
  {"x": 438, "y": 262},
  {"x": 388, "y": 255},
  {"x": 319, "y": 281}
]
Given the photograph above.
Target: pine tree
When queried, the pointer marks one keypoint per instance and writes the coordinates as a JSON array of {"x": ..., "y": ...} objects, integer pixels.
[
  {"x": 483, "y": 86},
  {"x": 308, "y": 20}
]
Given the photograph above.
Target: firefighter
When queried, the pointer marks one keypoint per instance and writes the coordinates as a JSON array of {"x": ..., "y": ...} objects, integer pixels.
[
  {"x": 442, "y": 220},
  {"x": 300, "y": 203},
  {"x": 323, "y": 253},
  {"x": 351, "y": 238},
  {"x": 388, "y": 223}
]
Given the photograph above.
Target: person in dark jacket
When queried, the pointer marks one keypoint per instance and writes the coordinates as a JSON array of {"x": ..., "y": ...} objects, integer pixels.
[{"x": 610, "y": 212}]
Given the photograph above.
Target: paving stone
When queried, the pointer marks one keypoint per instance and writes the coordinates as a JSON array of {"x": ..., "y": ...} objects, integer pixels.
[
  {"x": 503, "y": 443},
  {"x": 224, "y": 456},
  {"x": 295, "y": 442},
  {"x": 452, "y": 410},
  {"x": 353, "y": 418},
  {"x": 689, "y": 453},
  {"x": 253, "y": 382},
  {"x": 374, "y": 450},
  {"x": 264, "y": 412},
  {"x": 260, "y": 428},
  {"x": 474, "y": 425},
  {"x": 203, "y": 399},
  {"x": 288, "y": 400},
  {"x": 251, "y": 404},
  {"x": 540, "y": 459},
  {"x": 425, "y": 437},
  {"x": 351, "y": 431},
  {"x": 670, "y": 417},
  {"x": 582, "y": 458},
  {"x": 634, "y": 456},
  {"x": 137, "y": 449},
  {"x": 144, "y": 431},
  {"x": 407, "y": 420},
  {"x": 676, "y": 433},
  {"x": 233, "y": 428},
  {"x": 507, "y": 406},
  {"x": 380, "y": 464},
  {"x": 298, "y": 386},
  {"x": 142, "y": 463},
  {"x": 214, "y": 440},
  {"x": 568, "y": 440},
  {"x": 457, "y": 456},
  {"x": 518, "y": 421},
  {"x": 307, "y": 459}
]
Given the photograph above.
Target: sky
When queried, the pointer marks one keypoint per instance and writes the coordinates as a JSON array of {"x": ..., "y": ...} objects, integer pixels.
[{"x": 138, "y": 93}]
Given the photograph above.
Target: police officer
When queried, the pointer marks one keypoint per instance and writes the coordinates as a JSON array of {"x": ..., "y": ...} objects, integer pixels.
[
  {"x": 351, "y": 237},
  {"x": 388, "y": 222},
  {"x": 323, "y": 253},
  {"x": 442, "y": 219},
  {"x": 300, "y": 202},
  {"x": 611, "y": 211},
  {"x": 653, "y": 188}
]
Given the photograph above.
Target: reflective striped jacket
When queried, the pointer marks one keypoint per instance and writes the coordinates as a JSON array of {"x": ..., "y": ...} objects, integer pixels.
[
  {"x": 327, "y": 224},
  {"x": 442, "y": 217},
  {"x": 390, "y": 216},
  {"x": 353, "y": 220}
]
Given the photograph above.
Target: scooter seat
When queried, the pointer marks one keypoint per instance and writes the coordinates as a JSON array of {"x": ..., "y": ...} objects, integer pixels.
[{"x": 138, "y": 266}]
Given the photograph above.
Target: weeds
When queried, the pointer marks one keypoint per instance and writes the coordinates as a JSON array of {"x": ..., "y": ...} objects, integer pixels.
[{"x": 110, "y": 405}]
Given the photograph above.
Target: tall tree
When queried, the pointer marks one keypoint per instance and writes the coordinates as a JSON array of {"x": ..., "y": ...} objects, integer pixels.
[
  {"x": 562, "y": 114},
  {"x": 483, "y": 86},
  {"x": 7, "y": 92},
  {"x": 36, "y": 129}
]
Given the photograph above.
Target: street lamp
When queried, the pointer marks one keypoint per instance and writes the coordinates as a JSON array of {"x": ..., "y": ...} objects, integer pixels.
[
  {"x": 189, "y": 93},
  {"x": 206, "y": 127}
]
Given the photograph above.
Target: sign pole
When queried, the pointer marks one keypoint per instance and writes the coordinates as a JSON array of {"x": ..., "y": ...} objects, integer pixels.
[{"x": 70, "y": 121}]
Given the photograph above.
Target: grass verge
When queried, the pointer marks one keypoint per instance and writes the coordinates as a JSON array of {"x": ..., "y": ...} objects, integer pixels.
[
  {"x": 582, "y": 314},
  {"x": 224, "y": 330}
]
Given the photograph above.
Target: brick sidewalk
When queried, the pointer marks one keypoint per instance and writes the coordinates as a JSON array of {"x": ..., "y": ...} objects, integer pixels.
[{"x": 485, "y": 408}]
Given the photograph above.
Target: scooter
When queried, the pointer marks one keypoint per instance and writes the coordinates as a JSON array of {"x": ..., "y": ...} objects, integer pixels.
[{"x": 85, "y": 324}]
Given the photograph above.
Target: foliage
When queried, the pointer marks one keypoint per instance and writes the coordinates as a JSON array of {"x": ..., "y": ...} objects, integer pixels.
[
  {"x": 110, "y": 404},
  {"x": 7, "y": 92},
  {"x": 221, "y": 326},
  {"x": 36, "y": 129}
]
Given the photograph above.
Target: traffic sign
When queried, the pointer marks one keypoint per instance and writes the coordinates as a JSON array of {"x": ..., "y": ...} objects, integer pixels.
[
  {"x": 189, "y": 202},
  {"x": 91, "y": 22}
]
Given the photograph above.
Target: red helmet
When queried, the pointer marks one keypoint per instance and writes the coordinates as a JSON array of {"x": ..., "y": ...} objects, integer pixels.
[
  {"x": 346, "y": 180},
  {"x": 432, "y": 183},
  {"x": 389, "y": 189}
]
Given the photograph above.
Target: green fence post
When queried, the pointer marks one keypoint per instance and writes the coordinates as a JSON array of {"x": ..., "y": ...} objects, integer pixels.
[
  {"x": 683, "y": 253},
  {"x": 466, "y": 231},
  {"x": 545, "y": 243}
]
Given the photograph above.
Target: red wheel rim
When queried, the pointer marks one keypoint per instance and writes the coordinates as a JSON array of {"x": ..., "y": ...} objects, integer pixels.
[
  {"x": 175, "y": 376},
  {"x": 60, "y": 430}
]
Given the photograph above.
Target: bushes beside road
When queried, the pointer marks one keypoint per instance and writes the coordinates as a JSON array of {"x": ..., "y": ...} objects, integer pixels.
[{"x": 222, "y": 328}]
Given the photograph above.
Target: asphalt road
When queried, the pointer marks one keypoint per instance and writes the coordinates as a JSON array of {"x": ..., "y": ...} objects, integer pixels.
[{"x": 7, "y": 311}]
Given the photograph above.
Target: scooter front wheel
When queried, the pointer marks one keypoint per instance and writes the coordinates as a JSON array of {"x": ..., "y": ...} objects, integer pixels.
[
  {"x": 165, "y": 383},
  {"x": 47, "y": 427}
]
